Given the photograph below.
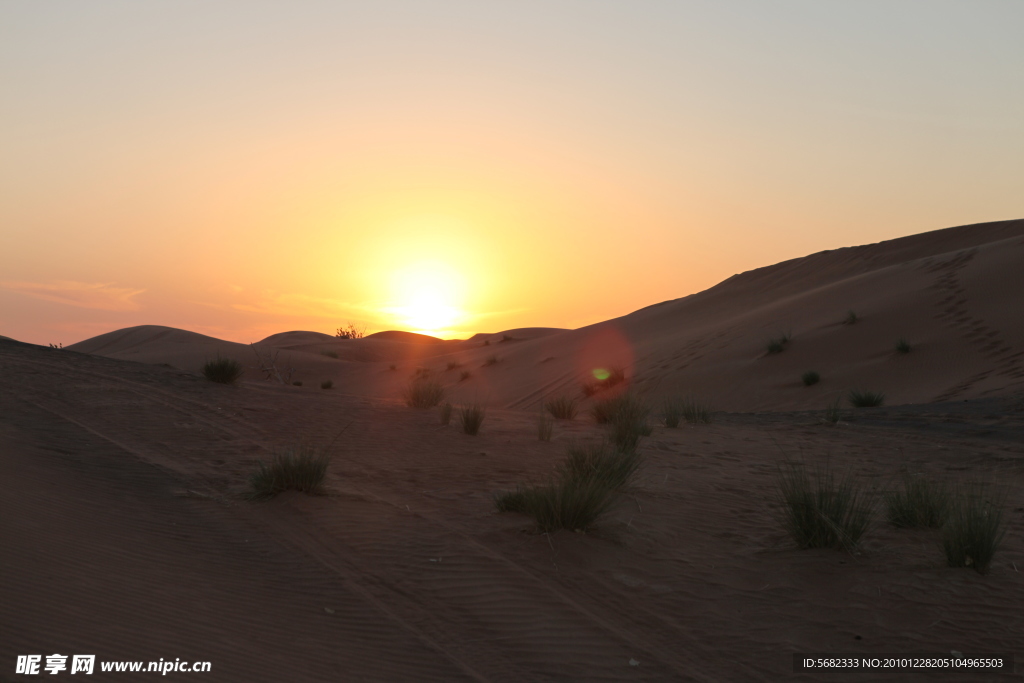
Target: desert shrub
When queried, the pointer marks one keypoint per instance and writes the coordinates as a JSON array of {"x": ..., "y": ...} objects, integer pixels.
[
  {"x": 326, "y": 384},
  {"x": 810, "y": 378},
  {"x": 487, "y": 342},
  {"x": 866, "y": 399},
  {"x": 671, "y": 412},
  {"x": 350, "y": 331},
  {"x": 471, "y": 416},
  {"x": 297, "y": 383},
  {"x": 452, "y": 365},
  {"x": 506, "y": 338},
  {"x": 423, "y": 392},
  {"x": 300, "y": 468},
  {"x": 851, "y": 317},
  {"x": 599, "y": 460},
  {"x": 466, "y": 374},
  {"x": 604, "y": 410},
  {"x": 604, "y": 380},
  {"x": 778, "y": 344},
  {"x": 512, "y": 501},
  {"x": 570, "y": 504},
  {"x": 696, "y": 411},
  {"x": 822, "y": 511},
  {"x": 902, "y": 346},
  {"x": 545, "y": 426},
  {"x": 974, "y": 527},
  {"x": 445, "y": 413},
  {"x": 833, "y": 413},
  {"x": 491, "y": 360},
  {"x": 392, "y": 367},
  {"x": 917, "y": 503},
  {"x": 223, "y": 370},
  {"x": 329, "y": 354},
  {"x": 562, "y": 407}
]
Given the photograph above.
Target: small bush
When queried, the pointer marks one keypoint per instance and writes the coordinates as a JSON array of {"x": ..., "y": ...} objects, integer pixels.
[
  {"x": 545, "y": 426},
  {"x": 569, "y": 504},
  {"x": 446, "y": 413},
  {"x": 599, "y": 460},
  {"x": 866, "y": 399},
  {"x": 223, "y": 370},
  {"x": 512, "y": 501},
  {"x": 810, "y": 378},
  {"x": 604, "y": 380},
  {"x": 851, "y": 317},
  {"x": 832, "y": 413},
  {"x": 491, "y": 360},
  {"x": 562, "y": 407},
  {"x": 326, "y": 384},
  {"x": 392, "y": 367},
  {"x": 823, "y": 511},
  {"x": 329, "y": 354},
  {"x": 506, "y": 338},
  {"x": 628, "y": 422},
  {"x": 487, "y": 342},
  {"x": 423, "y": 392},
  {"x": 466, "y": 374},
  {"x": 696, "y": 412},
  {"x": 302, "y": 468},
  {"x": 671, "y": 412},
  {"x": 778, "y": 344},
  {"x": 297, "y": 384},
  {"x": 917, "y": 504},
  {"x": 974, "y": 528},
  {"x": 452, "y": 365},
  {"x": 902, "y": 346},
  {"x": 471, "y": 416}
]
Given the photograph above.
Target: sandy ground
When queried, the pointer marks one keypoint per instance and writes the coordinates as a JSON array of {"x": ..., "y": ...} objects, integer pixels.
[{"x": 125, "y": 535}]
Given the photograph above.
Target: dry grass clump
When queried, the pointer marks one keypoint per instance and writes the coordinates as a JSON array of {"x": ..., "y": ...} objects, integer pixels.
[
  {"x": 453, "y": 365},
  {"x": 329, "y": 354},
  {"x": 694, "y": 411},
  {"x": 778, "y": 344},
  {"x": 866, "y": 399},
  {"x": 599, "y": 460},
  {"x": 545, "y": 427},
  {"x": 326, "y": 384},
  {"x": 491, "y": 360},
  {"x": 810, "y": 378},
  {"x": 833, "y": 413},
  {"x": 423, "y": 392},
  {"x": 902, "y": 346},
  {"x": 562, "y": 407},
  {"x": 446, "y": 413},
  {"x": 917, "y": 504},
  {"x": 822, "y": 511},
  {"x": 466, "y": 374},
  {"x": 472, "y": 417},
  {"x": 974, "y": 528},
  {"x": 223, "y": 370},
  {"x": 851, "y": 317},
  {"x": 605, "y": 379},
  {"x": 300, "y": 468}
]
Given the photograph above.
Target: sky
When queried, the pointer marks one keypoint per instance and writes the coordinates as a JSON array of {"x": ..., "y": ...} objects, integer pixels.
[{"x": 245, "y": 168}]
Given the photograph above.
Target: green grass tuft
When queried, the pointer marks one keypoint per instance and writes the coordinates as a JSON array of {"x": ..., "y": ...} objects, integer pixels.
[
  {"x": 586, "y": 460},
  {"x": 223, "y": 370},
  {"x": 917, "y": 504},
  {"x": 851, "y": 317},
  {"x": 423, "y": 392},
  {"x": 866, "y": 399},
  {"x": 512, "y": 501},
  {"x": 671, "y": 412},
  {"x": 974, "y": 528},
  {"x": 302, "y": 468},
  {"x": 446, "y": 413},
  {"x": 821, "y": 511},
  {"x": 810, "y": 378},
  {"x": 545, "y": 426},
  {"x": 562, "y": 407},
  {"x": 472, "y": 416},
  {"x": 833, "y": 413},
  {"x": 778, "y": 344},
  {"x": 902, "y": 346}
]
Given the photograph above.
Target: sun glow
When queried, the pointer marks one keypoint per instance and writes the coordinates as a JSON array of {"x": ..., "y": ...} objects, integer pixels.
[{"x": 427, "y": 297}]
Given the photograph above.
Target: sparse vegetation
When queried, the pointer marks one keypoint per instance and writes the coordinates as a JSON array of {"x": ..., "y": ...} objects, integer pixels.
[
  {"x": 487, "y": 342},
  {"x": 471, "y": 416},
  {"x": 392, "y": 367},
  {"x": 696, "y": 411},
  {"x": 671, "y": 412},
  {"x": 851, "y": 317},
  {"x": 297, "y": 383},
  {"x": 512, "y": 501},
  {"x": 866, "y": 399},
  {"x": 778, "y": 344},
  {"x": 452, "y": 365},
  {"x": 506, "y": 338},
  {"x": 545, "y": 426},
  {"x": 587, "y": 460},
  {"x": 326, "y": 384},
  {"x": 301, "y": 468},
  {"x": 446, "y": 413},
  {"x": 491, "y": 360},
  {"x": 822, "y": 511},
  {"x": 464, "y": 375},
  {"x": 833, "y": 413},
  {"x": 423, "y": 392},
  {"x": 917, "y": 504},
  {"x": 902, "y": 346},
  {"x": 223, "y": 370},
  {"x": 604, "y": 379},
  {"x": 562, "y": 407},
  {"x": 627, "y": 420},
  {"x": 810, "y": 378},
  {"x": 350, "y": 331},
  {"x": 974, "y": 528},
  {"x": 330, "y": 354}
]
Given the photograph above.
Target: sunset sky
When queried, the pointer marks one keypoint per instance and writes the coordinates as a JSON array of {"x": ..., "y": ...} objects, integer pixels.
[{"x": 245, "y": 168}]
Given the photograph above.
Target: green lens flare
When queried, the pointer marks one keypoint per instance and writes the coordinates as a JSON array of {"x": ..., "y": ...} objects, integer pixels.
[{"x": 601, "y": 374}]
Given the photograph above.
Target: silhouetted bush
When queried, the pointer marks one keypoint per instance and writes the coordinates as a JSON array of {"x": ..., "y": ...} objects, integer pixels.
[{"x": 223, "y": 370}]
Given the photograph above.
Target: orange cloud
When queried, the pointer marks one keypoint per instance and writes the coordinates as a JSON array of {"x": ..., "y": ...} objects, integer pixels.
[{"x": 101, "y": 296}]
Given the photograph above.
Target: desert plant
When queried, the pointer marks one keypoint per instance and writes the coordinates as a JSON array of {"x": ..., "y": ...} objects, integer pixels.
[
  {"x": 423, "y": 392},
  {"x": 466, "y": 374},
  {"x": 695, "y": 411},
  {"x": 445, "y": 413},
  {"x": 851, "y": 317},
  {"x": 628, "y": 422},
  {"x": 297, "y": 383},
  {"x": 266, "y": 362},
  {"x": 487, "y": 342},
  {"x": 833, "y": 413},
  {"x": 671, "y": 412},
  {"x": 562, "y": 407},
  {"x": 452, "y": 365},
  {"x": 512, "y": 501},
  {"x": 350, "y": 331},
  {"x": 974, "y": 528},
  {"x": 506, "y": 338},
  {"x": 599, "y": 460},
  {"x": 866, "y": 399},
  {"x": 604, "y": 379},
  {"x": 902, "y": 346},
  {"x": 917, "y": 503},
  {"x": 300, "y": 468},
  {"x": 329, "y": 354},
  {"x": 822, "y": 511},
  {"x": 570, "y": 504},
  {"x": 222, "y": 370},
  {"x": 778, "y": 344},
  {"x": 471, "y": 416},
  {"x": 392, "y": 367},
  {"x": 545, "y": 426},
  {"x": 491, "y": 360},
  {"x": 810, "y": 378},
  {"x": 327, "y": 384}
]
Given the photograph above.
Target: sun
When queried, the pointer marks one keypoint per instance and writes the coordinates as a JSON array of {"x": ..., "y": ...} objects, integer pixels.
[{"x": 427, "y": 297}]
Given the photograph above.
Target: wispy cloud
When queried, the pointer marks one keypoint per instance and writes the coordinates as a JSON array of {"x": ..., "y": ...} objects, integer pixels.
[{"x": 103, "y": 296}]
